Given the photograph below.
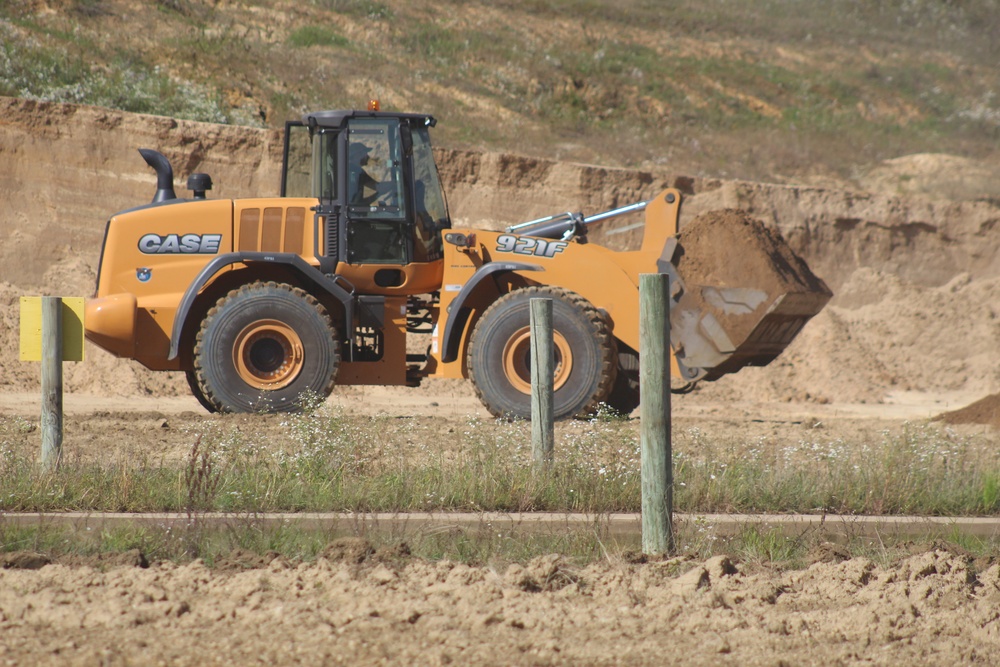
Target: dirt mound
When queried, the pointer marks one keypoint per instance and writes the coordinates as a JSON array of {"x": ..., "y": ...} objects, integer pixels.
[
  {"x": 23, "y": 560},
  {"x": 882, "y": 335},
  {"x": 984, "y": 411},
  {"x": 729, "y": 247}
]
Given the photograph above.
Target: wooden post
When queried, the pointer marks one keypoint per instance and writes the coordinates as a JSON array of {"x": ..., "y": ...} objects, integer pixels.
[
  {"x": 542, "y": 420},
  {"x": 52, "y": 382},
  {"x": 654, "y": 386}
]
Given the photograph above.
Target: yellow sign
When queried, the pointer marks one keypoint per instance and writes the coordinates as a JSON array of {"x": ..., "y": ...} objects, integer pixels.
[{"x": 31, "y": 328}]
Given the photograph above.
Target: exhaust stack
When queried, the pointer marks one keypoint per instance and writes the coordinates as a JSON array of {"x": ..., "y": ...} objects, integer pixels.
[{"x": 164, "y": 174}]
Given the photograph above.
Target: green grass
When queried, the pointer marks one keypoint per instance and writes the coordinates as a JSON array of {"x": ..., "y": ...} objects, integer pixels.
[
  {"x": 485, "y": 544},
  {"x": 316, "y": 35},
  {"x": 327, "y": 461},
  {"x": 478, "y": 545},
  {"x": 366, "y": 9},
  {"x": 844, "y": 83},
  {"x": 54, "y": 74}
]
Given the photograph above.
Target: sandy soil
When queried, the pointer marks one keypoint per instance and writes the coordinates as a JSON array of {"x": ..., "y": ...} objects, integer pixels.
[
  {"x": 356, "y": 607},
  {"x": 911, "y": 333}
]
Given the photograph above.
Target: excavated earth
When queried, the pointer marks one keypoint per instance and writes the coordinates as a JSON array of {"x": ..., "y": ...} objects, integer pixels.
[
  {"x": 910, "y": 333},
  {"x": 354, "y": 607}
]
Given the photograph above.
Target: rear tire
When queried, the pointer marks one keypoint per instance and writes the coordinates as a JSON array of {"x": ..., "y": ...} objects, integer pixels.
[
  {"x": 198, "y": 392},
  {"x": 261, "y": 346},
  {"x": 499, "y": 354}
]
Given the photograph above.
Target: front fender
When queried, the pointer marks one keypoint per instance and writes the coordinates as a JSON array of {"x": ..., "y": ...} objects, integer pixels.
[
  {"x": 110, "y": 323},
  {"x": 456, "y": 316}
]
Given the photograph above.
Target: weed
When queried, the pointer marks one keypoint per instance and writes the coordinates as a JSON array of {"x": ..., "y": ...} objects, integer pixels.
[
  {"x": 991, "y": 493},
  {"x": 316, "y": 35},
  {"x": 201, "y": 479},
  {"x": 760, "y": 545},
  {"x": 368, "y": 9}
]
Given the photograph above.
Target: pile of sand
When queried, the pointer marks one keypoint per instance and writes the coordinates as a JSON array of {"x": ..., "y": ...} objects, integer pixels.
[
  {"x": 984, "y": 411},
  {"x": 883, "y": 335}
]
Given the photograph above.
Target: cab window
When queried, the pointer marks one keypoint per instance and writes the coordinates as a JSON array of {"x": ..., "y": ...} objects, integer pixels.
[
  {"x": 297, "y": 177},
  {"x": 428, "y": 200},
  {"x": 325, "y": 166},
  {"x": 377, "y": 231}
]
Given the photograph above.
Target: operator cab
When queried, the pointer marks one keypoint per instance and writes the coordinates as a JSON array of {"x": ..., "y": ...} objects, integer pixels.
[{"x": 381, "y": 206}]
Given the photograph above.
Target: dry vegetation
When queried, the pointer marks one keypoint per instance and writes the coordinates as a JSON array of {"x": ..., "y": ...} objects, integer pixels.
[
  {"x": 329, "y": 460},
  {"x": 765, "y": 90}
]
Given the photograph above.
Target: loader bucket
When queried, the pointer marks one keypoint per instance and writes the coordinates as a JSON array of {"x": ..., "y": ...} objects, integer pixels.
[{"x": 743, "y": 294}]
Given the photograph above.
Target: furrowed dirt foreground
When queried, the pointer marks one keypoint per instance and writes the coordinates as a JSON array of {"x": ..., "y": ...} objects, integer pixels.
[{"x": 360, "y": 607}]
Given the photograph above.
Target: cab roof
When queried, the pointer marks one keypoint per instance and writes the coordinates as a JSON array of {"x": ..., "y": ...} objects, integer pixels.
[{"x": 337, "y": 118}]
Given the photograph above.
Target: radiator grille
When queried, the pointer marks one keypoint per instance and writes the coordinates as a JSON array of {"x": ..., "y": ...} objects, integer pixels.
[{"x": 276, "y": 229}]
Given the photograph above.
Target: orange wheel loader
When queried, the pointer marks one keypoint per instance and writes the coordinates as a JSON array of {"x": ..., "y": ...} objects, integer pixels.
[{"x": 356, "y": 262}]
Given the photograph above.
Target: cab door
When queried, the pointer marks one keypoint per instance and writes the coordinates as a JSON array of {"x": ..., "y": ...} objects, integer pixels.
[
  {"x": 311, "y": 168},
  {"x": 377, "y": 201}
]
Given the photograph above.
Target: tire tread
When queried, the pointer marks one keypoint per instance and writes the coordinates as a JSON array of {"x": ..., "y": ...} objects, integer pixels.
[
  {"x": 208, "y": 398},
  {"x": 597, "y": 321}
]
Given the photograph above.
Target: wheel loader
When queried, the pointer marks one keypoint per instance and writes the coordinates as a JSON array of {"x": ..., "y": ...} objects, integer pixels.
[{"x": 355, "y": 276}]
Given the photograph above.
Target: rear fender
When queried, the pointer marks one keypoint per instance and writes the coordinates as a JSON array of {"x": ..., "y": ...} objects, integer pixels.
[{"x": 309, "y": 274}]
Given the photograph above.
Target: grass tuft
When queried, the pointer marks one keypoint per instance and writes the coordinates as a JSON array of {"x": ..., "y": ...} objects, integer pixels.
[{"x": 316, "y": 35}]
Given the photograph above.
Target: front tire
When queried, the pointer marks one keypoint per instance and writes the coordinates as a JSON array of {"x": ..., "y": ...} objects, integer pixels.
[
  {"x": 261, "y": 346},
  {"x": 499, "y": 354},
  {"x": 624, "y": 396}
]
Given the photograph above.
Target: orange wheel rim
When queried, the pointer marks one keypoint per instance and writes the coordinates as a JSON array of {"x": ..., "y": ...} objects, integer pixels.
[
  {"x": 268, "y": 354},
  {"x": 517, "y": 360}
]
